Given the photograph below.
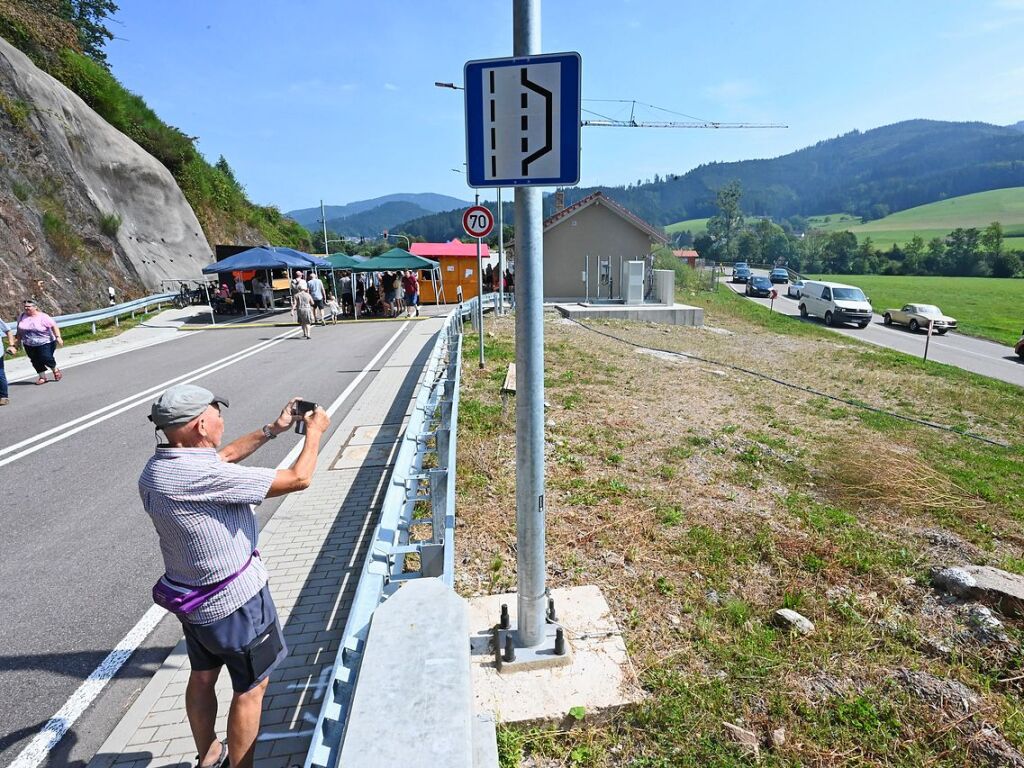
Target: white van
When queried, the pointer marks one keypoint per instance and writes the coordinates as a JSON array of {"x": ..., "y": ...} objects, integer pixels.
[{"x": 835, "y": 303}]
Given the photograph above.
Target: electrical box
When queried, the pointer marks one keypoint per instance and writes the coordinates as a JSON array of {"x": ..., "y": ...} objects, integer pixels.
[{"x": 634, "y": 282}]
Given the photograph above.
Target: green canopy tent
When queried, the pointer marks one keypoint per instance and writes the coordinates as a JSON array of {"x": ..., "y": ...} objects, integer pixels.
[{"x": 398, "y": 259}]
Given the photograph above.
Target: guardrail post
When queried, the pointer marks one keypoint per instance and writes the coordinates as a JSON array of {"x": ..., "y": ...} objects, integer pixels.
[
  {"x": 117, "y": 321},
  {"x": 438, "y": 502},
  {"x": 94, "y": 327},
  {"x": 442, "y": 438}
]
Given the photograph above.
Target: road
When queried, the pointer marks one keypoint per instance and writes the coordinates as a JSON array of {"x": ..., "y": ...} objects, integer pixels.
[
  {"x": 78, "y": 554},
  {"x": 972, "y": 354}
]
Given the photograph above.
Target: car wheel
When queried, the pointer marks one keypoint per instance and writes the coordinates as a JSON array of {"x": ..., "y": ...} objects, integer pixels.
[
  {"x": 915, "y": 326},
  {"x": 865, "y": 324},
  {"x": 803, "y": 311},
  {"x": 887, "y": 319},
  {"x": 942, "y": 332},
  {"x": 828, "y": 318}
]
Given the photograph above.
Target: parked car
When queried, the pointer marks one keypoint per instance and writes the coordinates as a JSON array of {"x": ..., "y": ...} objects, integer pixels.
[
  {"x": 741, "y": 274},
  {"x": 1019, "y": 348},
  {"x": 835, "y": 303},
  {"x": 794, "y": 288},
  {"x": 779, "y": 275},
  {"x": 738, "y": 266},
  {"x": 759, "y": 286},
  {"x": 917, "y": 316}
]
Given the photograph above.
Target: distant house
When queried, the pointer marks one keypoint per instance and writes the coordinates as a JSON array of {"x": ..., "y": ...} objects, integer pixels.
[
  {"x": 586, "y": 244},
  {"x": 458, "y": 268},
  {"x": 687, "y": 255}
]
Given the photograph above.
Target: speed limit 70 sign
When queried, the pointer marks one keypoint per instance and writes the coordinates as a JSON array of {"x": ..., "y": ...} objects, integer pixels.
[{"x": 478, "y": 221}]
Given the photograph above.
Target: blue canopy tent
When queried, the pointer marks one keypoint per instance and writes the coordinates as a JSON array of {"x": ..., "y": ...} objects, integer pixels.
[
  {"x": 309, "y": 258},
  {"x": 259, "y": 257}
]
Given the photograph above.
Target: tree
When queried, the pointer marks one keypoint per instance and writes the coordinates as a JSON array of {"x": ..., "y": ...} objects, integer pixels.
[
  {"x": 1006, "y": 264},
  {"x": 839, "y": 251},
  {"x": 724, "y": 228},
  {"x": 992, "y": 239},
  {"x": 89, "y": 17},
  {"x": 963, "y": 252},
  {"x": 935, "y": 262},
  {"x": 913, "y": 256},
  {"x": 748, "y": 246}
]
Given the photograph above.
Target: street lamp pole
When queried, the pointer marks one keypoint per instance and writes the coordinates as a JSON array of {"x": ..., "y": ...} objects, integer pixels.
[
  {"x": 323, "y": 220},
  {"x": 501, "y": 258},
  {"x": 408, "y": 242}
]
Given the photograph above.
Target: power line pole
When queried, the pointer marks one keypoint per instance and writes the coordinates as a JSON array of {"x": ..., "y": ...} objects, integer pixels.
[
  {"x": 529, "y": 286},
  {"x": 323, "y": 220}
]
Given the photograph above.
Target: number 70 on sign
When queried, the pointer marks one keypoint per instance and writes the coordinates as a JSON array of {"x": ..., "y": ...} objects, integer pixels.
[{"x": 478, "y": 221}]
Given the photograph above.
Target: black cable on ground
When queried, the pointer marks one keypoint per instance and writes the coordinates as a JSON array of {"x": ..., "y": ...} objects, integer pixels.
[{"x": 799, "y": 387}]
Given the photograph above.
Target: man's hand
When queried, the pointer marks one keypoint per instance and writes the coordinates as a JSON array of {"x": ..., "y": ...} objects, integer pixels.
[
  {"x": 286, "y": 418},
  {"x": 317, "y": 421}
]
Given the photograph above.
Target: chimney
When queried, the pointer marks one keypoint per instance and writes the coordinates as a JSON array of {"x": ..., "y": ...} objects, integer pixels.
[{"x": 559, "y": 200}]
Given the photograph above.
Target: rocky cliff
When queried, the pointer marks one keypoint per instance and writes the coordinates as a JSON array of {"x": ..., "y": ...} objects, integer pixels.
[{"x": 82, "y": 206}]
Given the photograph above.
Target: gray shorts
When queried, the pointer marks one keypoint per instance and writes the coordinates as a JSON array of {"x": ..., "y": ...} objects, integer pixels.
[{"x": 249, "y": 642}]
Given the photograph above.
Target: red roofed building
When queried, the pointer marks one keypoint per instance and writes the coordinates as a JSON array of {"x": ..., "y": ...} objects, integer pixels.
[
  {"x": 687, "y": 255},
  {"x": 458, "y": 268}
]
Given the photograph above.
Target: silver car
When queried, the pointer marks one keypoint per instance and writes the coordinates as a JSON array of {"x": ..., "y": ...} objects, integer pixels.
[{"x": 794, "y": 288}]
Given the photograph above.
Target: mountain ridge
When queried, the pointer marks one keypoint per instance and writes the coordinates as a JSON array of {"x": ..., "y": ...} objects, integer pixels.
[{"x": 431, "y": 202}]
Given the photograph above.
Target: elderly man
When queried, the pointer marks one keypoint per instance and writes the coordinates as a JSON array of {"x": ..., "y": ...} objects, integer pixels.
[{"x": 201, "y": 504}]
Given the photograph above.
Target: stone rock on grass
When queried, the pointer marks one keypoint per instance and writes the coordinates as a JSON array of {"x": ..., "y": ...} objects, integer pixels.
[
  {"x": 790, "y": 619},
  {"x": 746, "y": 739},
  {"x": 948, "y": 696},
  {"x": 1000, "y": 589},
  {"x": 778, "y": 737},
  {"x": 986, "y": 627}
]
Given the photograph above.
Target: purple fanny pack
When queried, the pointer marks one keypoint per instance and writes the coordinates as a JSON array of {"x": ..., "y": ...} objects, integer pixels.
[{"x": 181, "y": 599}]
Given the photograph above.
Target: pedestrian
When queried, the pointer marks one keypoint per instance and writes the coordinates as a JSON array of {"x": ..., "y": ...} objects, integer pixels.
[
  {"x": 347, "y": 299},
  {"x": 489, "y": 278},
  {"x": 223, "y": 292},
  {"x": 110, "y": 294},
  {"x": 333, "y": 308},
  {"x": 391, "y": 291},
  {"x": 302, "y": 306},
  {"x": 257, "y": 291},
  {"x": 9, "y": 348},
  {"x": 412, "y": 293},
  {"x": 200, "y": 501},
  {"x": 40, "y": 336},
  {"x": 319, "y": 296},
  {"x": 267, "y": 291}
]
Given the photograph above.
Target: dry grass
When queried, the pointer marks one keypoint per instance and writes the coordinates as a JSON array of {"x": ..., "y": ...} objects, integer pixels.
[{"x": 700, "y": 499}]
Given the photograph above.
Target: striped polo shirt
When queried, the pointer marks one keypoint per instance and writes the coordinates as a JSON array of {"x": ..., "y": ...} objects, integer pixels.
[{"x": 202, "y": 509}]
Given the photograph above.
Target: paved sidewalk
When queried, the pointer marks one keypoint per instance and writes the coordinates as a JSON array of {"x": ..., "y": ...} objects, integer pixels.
[{"x": 314, "y": 547}]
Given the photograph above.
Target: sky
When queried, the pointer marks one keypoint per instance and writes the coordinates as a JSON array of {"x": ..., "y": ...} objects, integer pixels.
[{"x": 314, "y": 100}]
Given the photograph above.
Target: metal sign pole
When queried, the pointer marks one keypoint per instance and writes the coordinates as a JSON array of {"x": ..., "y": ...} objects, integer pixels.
[
  {"x": 479, "y": 292},
  {"x": 501, "y": 257},
  {"x": 529, "y": 286},
  {"x": 928, "y": 339},
  {"x": 213, "y": 317}
]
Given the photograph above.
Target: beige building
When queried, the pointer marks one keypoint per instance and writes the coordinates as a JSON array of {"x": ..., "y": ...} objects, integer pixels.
[{"x": 586, "y": 244}]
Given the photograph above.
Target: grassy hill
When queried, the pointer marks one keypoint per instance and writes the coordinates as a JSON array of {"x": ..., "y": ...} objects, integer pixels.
[
  {"x": 694, "y": 226},
  {"x": 938, "y": 219},
  {"x": 990, "y": 307}
]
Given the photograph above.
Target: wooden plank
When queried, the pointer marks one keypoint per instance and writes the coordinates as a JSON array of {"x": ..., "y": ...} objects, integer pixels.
[{"x": 509, "y": 384}]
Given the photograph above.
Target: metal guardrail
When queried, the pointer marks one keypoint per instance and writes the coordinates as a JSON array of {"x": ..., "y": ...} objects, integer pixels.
[
  {"x": 105, "y": 313},
  {"x": 420, "y": 497}
]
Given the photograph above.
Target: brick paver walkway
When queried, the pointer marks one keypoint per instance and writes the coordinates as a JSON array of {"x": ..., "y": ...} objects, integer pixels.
[{"x": 314, "y": 548}]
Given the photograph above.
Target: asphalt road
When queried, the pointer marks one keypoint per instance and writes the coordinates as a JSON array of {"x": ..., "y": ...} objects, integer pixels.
[
  {"x": 977, "y": 355},
  {"x": 77, "y": 553}
]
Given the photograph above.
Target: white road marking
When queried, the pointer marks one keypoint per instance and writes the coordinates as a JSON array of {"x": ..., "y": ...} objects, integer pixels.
[
  {"x": 69, "y": 428},
  {"x": 39, "y": 748},
  {"x": 55, "y": 728}
]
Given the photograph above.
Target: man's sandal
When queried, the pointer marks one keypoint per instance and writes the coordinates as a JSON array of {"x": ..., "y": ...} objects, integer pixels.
[
  {"x": 222, "y": 759},
  {"x": 57, "y": 375},
  {"x": 41, "y": 380}
]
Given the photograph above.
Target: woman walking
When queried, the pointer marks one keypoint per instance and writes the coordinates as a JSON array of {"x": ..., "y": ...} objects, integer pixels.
[
  {"x": 302, "y": 305},
  {"x": 39, "y": 335}
]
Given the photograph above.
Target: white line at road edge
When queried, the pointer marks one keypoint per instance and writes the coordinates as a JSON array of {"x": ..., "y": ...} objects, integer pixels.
[{"x": 44, "y": 741}]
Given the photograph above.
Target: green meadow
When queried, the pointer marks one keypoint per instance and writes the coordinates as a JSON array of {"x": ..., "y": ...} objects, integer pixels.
[{"x": 990, "y": 307}]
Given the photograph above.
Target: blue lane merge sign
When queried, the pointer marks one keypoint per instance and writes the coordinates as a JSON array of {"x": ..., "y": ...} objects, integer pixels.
[{"x": 523, "y": 121}]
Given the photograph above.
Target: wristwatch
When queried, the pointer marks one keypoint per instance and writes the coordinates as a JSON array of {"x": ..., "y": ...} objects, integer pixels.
[{"x": 267, "y": 433}]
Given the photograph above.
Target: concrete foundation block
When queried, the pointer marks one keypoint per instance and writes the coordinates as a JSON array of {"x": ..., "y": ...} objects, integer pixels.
[{"x": 600, "y": 678}]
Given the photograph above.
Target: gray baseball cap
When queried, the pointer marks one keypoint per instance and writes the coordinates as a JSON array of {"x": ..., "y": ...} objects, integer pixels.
[{"x": 182, "y": 403}]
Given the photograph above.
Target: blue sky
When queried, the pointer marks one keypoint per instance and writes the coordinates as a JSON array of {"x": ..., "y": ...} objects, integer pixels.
[{"x": 336, "y": 100}]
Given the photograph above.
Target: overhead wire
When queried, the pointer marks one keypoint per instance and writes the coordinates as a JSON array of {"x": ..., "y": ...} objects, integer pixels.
[{"x": 798, "y": 387}]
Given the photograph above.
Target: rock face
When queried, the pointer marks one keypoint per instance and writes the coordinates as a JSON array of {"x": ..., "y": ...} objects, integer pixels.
[{"x": 63, "y": 169}]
